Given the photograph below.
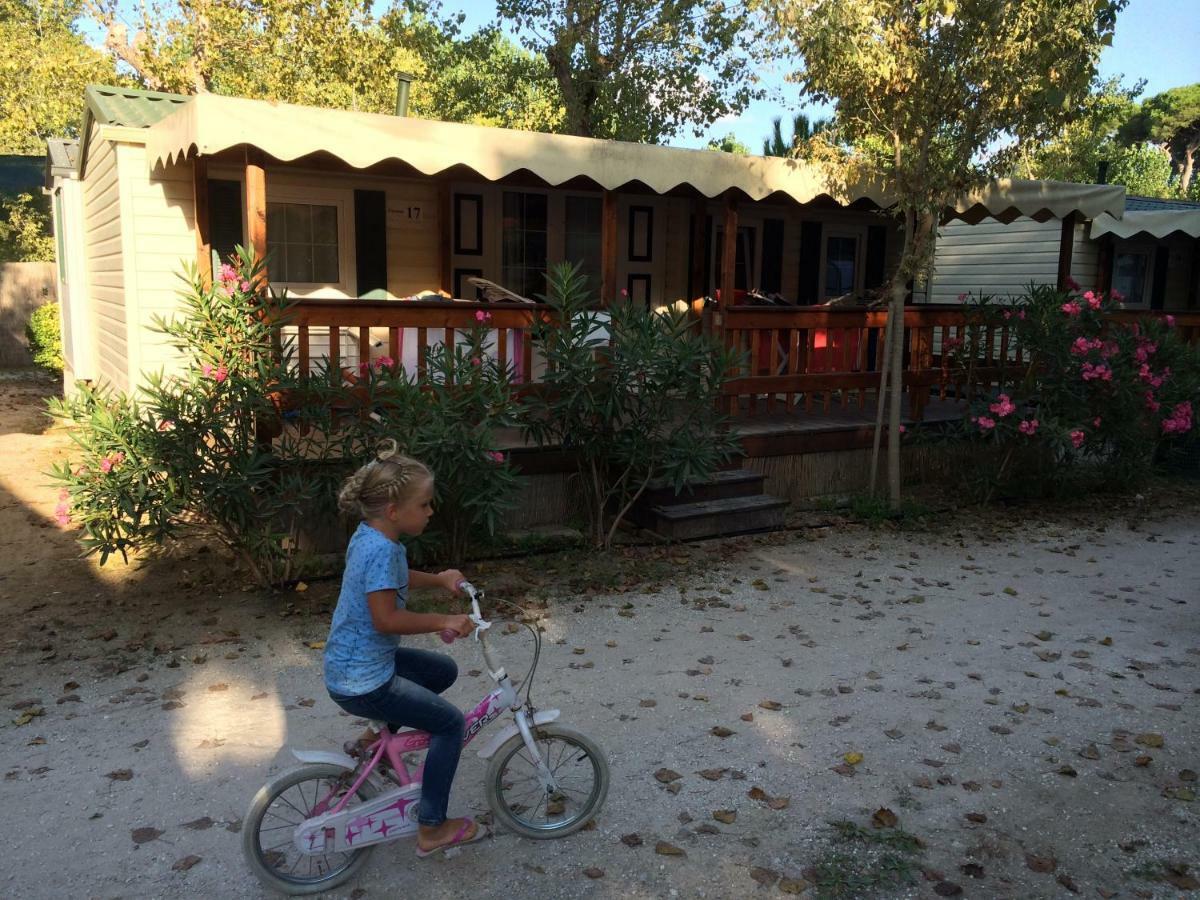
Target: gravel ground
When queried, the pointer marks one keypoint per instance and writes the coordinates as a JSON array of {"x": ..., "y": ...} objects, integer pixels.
[{"x": 1005, "y": 679}]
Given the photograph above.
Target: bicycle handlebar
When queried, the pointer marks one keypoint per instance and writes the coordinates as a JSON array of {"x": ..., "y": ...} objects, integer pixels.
[{"x": 449, "y": 635}]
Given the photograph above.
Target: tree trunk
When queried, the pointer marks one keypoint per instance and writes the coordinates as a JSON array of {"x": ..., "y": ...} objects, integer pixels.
[
  {"x": 896, "y": 321},
  {"x": 1189, "y": 160}
]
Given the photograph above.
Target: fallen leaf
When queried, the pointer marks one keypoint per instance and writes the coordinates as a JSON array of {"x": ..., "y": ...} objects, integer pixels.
[
  {"x": 772, "y": 705},
  {"x": 884, "y": 818},
  {"x": 764, "y": 876},
  {"x": 1068, "y": 882},
  {"x": 1042, "y": 864},
  {"x": 852, "y": 758},
  {"x": 662, "y": 848},
  {"x": 631, "y": 840},
  {"x": 725, "y": 816},
  {"x": 593, "y": 872},
  {"x": 648, "y": 704},
  {"x": 976, "y": 818},
  {"x": 1149, "y": 739},
  {"x": 144, "y": 835},
  {"x": 666, "y": 776},
  {"x": 184, "y": 864},
  {"x": 120, "y": 775},
  {"x": 778, "y": 803},
  {"x": 201, "y": 824},
  {"x": 793, "y": 885},
  {"x": 315, "y": 645},
  {"x": 721, "y": 731},
  {"x": 308, "y": 701},
  {"x": 712, "y": 774}
]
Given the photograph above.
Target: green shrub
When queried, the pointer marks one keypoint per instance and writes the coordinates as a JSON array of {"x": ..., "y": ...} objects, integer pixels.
[
  {"x": 1090, "y": 394},
  {"x": 244, "y": 448},
  {"x": 633, "y": 393},
  {"x": 44, "y": 333}
]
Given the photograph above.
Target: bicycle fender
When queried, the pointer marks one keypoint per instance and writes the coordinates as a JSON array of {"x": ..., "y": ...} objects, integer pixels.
[
  {"x": 324, "y": 756},
  {"x": 541, "y": 717}
]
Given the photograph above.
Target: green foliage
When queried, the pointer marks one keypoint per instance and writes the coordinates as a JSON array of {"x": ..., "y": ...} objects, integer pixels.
[
  {"x": 1144, "y": 170},
  {"x": 45, "y": 63},
  {"x": 1092, "y": 396},
  {"x": 1171, "y": 119},
  {"x": 803, "y": 131},
  {"x": 194, "y": 451},
  {"x": 729, "y": 144},
  {"x": 25, "y": 229},
  {"x": 642, "y": 70},
  {"x": 44, "y": 333},
  {"x": 632, "y": 392}
]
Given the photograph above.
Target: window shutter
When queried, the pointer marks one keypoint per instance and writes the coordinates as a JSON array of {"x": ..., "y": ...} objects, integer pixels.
[
  {"x": 810, "y": 263},
  {"x": 771, "y": 281},
  {"x": 370, "y": 241},
  {"x": 224, "y": 219},
  {"x": 1158, "y": 289},
  {"x": 876, "y": 257}
]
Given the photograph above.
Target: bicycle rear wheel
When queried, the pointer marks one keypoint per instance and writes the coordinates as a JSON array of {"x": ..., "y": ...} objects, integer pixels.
[
  {"x": 520, "y": 803},
  {"x": 278, "y": 807}
]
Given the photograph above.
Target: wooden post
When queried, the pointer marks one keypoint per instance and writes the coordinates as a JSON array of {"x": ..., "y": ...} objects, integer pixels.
[
  {"x": 445, "y": 237},
  {"x": 1104, "y": 265},
  {"x": 608, "y": 249},
  {"x": 256, "y": 203},
  {"x": 1066, "y": 244},
  {"x": 200, "y": 209},
  {"x": 698, "y": 277},
  {"x": 729, "y": 251}
]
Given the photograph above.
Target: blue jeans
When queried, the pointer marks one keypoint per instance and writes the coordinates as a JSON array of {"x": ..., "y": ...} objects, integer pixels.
[{"x": 411, "y": 699}]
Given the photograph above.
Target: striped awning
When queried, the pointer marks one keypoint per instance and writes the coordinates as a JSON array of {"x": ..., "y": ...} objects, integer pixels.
[{"x": 1157, "y": 223}]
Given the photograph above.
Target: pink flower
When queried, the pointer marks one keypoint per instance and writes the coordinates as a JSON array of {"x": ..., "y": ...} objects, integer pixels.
[
  {"x": 903, "y": 429},
  {"x": 476, "y": 361},
  {"x": 385, "y": 362},
  {"x": 220, "y": 375},
  {"x": 1170, "y": 320},
  {"x": 207, "y": 370},
  {"x": 481, "y": 316},
  {"x": 1007, "y": 314},
  {"x": 624, "y": 292},
  {"x": 245, "y": 285},
  {"x": 1082, "y": 346},
  {"x": 1093, "y": 372},
  {"x": 63, "y": 495},
  {"x": 62, "y": 517},
  {"x": 1116, "y": 296},
  {"x": 1029, "y": 427},
  {"x": 495, "y": 456},
  {"x": 1003, "y": 406},
  {"x": 364, "y": 368},
  {"x": 111, "y": 461},
  {"x": 1145, "y": 349},
  {"x": 1021, "y": 315},
  {"x": 1180, "y": 420},
  {"x": 1096, "y": 422},
  {"x": 1092, "y": 300},
  {"x": 985, "y": 424},
  {"x": 166, "y": 425},
  {"x": 1072, "y": 284},
  {"x": 228, "y": 273},
  {"x": 962, "y": 297},
  {"x": 1155, "y": 381},
  {"x": 1151, "y": 403},
  {"x": 1071, "y": 308},
  {"x": 1077, "y": 438}
]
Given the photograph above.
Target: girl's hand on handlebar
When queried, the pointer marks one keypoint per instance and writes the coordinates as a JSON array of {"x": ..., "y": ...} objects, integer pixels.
[
  {"x": 461, "y": 625},
  {"x": 450, "y": 578}
]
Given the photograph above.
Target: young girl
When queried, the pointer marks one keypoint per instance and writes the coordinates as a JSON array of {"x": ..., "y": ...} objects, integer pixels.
[{"x": 367, "y": 673}]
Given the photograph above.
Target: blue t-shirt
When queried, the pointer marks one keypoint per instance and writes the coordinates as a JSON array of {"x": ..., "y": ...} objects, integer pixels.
[{"x": 358, "y": 658}]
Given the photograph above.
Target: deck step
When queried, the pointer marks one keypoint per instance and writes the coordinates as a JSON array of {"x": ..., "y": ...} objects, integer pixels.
[
  {"x": 723, "y": 484},
  {"x": 712, "y": 518}
]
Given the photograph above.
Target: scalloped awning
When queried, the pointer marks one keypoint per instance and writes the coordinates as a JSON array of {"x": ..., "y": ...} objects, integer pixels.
[
  {"x": 209, "y": 124},
  {"x": 1156, "y": 223}
]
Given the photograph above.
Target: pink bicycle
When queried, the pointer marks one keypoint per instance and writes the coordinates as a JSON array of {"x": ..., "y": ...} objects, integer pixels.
[{"x": 314, "y": 826}]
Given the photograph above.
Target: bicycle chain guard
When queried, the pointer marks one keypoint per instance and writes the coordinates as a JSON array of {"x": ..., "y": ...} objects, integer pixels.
[{"x": 385, "y": 817}]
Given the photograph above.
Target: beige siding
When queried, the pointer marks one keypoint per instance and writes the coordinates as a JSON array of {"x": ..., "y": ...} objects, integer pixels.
[
  {"x": 160, "y": 242},
  {"x": 1002, "y": 260},
  {"x": 105, "y": 274}
]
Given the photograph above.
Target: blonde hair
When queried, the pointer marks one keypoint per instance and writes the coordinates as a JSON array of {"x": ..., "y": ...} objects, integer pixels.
[{"x": 389, "y": 478}]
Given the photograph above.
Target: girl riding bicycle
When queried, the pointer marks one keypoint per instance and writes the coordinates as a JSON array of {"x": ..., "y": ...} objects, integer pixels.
[{"x": 367, "y": 672}]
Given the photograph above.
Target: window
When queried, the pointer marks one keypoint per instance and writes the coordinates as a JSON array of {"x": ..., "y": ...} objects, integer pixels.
[
  {"x": 582, "y": 237},
  {"x": 743, "y": 271},
  {"x": 1129, "y": 276},
  {"x": 302, "y": 243},
  {"x": 523, "y": 259},
  {"x": 841, "y": 266}
]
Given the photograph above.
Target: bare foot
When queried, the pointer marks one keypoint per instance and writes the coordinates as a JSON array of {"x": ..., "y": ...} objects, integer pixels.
[{"x": 432, "y": 837}]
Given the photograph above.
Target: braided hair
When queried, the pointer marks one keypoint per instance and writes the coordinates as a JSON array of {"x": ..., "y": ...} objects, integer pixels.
[{"x": 389, "y": 478}]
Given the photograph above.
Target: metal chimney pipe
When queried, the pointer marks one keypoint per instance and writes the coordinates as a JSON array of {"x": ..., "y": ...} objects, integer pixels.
[{"x": 403, "y": 83}]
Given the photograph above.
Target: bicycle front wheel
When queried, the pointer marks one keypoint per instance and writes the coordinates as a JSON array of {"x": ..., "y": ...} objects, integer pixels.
[
  {"x": 521, "y": 804},
  {"x": 284, "y": 803}
]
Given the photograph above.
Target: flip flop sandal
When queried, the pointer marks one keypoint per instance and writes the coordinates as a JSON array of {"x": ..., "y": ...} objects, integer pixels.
[{"x": 456, "y": 841}]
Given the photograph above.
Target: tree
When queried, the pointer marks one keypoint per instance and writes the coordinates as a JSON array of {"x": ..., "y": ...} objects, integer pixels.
[
  {"x": 45, "y": 63},
  {"x": 936, "y": 97},
  {"x": 1171, "y": 119},
  {"x": 641, "y": 70},
  {"x": 1144, "y": 170},
  {"x": 729, "y": 144},
  {"x": 802, "y": 131},
  {"x": 25, "y": 229}
]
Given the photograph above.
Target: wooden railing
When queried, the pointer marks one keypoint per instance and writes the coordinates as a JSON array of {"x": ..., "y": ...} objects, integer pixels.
[{"x": 795, "y": 359}]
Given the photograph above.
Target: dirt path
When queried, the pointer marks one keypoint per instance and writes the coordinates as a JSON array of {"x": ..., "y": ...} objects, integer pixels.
[{"x": 995, "y": 679}]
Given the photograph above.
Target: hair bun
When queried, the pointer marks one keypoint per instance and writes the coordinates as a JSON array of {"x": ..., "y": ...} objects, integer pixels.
[{"x": 387, "y": 449}]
